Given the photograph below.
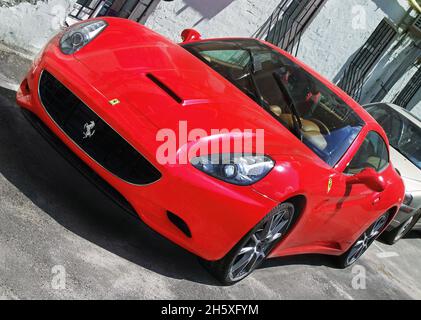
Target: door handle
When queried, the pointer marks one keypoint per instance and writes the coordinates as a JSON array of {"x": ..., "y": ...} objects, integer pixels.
[{"x": 376, "y": 200}]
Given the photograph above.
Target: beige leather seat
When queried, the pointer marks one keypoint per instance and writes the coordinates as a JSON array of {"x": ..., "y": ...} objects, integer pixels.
[
  {"x": 311, "y": 130},
  {"x": 276, "y": 110},
  {"x": 316, "y": 138},
  {"x": 308, "y": 125}
]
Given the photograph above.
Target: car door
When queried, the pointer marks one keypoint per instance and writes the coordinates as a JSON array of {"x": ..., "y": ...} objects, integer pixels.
[{"x": 349, "y": 209}]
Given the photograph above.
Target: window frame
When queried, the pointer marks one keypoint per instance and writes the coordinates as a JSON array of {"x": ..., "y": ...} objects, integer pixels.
[
  {"x": 359, "y": 148},
  {"x": 238, "y": 42}
]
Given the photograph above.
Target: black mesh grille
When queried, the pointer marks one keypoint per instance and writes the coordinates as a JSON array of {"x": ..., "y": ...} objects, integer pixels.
[{"x": 103, "y": 144}]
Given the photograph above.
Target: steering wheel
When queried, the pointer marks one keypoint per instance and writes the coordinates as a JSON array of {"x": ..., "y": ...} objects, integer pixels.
[{"x": 322, "y": 126}]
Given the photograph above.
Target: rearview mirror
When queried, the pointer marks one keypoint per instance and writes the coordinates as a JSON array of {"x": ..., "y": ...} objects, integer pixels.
[
  {"x": 190, "y": 35},
  {"x": 370, "y": 178}
]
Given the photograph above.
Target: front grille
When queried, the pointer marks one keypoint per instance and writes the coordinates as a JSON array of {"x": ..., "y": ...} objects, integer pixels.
[
  {"x": 93, "y": 135},
  {"x": 78, "y": 164}
]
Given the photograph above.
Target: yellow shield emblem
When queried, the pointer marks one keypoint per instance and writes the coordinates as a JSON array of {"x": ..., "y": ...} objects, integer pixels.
[
  {"x": 114, "y": 102},
  {"x": 329, "y": 185}
]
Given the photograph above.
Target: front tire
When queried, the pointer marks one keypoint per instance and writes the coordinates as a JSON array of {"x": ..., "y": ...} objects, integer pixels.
[
  {"x": 363, "y": 242},
  {"x": 252, "y": 250}
]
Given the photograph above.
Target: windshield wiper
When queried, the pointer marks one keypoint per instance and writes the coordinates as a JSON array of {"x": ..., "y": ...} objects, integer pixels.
[{"x": 290, "y": 101}]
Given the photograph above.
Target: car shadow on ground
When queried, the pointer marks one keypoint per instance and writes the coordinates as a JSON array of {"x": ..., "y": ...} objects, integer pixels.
[
  {"x": 42, "y": 175},
  {"x": 415, "y": 234},
  {"x": 307, "y": 260},
  {"x": 58, "y": 189}
]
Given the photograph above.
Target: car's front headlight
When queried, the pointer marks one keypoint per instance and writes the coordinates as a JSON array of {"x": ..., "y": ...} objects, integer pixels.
[
  {"x": 239, "y": 169},
  {"x": 78, "y": 36}
]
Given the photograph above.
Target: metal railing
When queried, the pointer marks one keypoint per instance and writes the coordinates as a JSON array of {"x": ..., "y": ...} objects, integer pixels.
[
  {"x": 407, "y": 93},
  {"x": 86, "y": 9},
  {"x": 355, "y": 74},
  {"x": 288, "y": 22}
]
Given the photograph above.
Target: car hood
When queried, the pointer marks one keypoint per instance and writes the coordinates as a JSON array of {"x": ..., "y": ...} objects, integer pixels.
[
  {"x": 409, "y": 172},
  {"x": 163, "y": 82}
]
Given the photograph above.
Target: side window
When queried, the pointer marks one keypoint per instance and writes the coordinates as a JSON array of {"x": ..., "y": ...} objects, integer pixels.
[
  {"x": 372, "y": 154},
  {"x": 396, "y": 125}
]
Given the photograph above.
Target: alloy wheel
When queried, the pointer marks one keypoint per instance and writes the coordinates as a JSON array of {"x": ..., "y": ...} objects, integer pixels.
[
  {"x": 404, "y": 229},
  {"x": 261, "y": 242},
  {"x": 364, "y": 242}
]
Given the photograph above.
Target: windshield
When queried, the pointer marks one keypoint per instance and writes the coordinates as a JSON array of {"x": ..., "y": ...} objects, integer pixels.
[
  {"x": 305, "y": 106},
  {"x": 404, "y": 135}
]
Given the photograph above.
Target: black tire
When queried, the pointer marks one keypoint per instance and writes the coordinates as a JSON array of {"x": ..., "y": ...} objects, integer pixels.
[
  {"x": 393, "y": 236},
  {"x": 222, "y": 269},
  {"x": 363, "y": 242}
]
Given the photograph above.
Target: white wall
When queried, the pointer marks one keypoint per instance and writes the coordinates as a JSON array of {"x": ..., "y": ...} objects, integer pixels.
[
  {"x": 337, "y": 32},
  {"x": 27, "y": 27},
  {"x": 211, "y": 18}
]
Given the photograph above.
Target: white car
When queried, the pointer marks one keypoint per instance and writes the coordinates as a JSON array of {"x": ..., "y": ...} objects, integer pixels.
[{"x": 404, "y": 132}]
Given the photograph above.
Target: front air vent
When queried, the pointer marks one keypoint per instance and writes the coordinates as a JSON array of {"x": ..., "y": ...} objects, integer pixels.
[
  {"x": 93, "y": 135},
  {"x": 165, "y": 88}
]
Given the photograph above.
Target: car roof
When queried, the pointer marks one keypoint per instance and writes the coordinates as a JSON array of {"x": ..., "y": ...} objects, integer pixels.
[{"x": 405, "y": 113}]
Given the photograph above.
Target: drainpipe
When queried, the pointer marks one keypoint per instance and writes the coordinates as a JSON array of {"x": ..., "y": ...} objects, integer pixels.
[
  {"x": 128, "y": 8},
  {"x": 415, "y": 5}
]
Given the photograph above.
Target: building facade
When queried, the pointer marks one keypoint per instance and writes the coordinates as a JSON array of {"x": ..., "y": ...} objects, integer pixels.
[{"x": 367, "y": 47}]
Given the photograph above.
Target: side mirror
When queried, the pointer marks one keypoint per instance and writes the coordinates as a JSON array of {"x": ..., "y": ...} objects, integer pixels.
[
  {"x": 190, "y": 35},
  {"x": 370, "y": 178}
]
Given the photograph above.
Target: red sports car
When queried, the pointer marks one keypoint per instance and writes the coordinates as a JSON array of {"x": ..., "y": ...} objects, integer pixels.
[{"x": 120, "y": 100}]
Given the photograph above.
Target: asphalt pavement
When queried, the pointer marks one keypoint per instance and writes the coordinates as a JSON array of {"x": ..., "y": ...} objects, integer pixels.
[{"x": 61, "y": 238}]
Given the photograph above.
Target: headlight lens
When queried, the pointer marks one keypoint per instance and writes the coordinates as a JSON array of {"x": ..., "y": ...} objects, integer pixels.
[
  {"x": 239, "y": 169},
  {"x": 408, "y": 199},
  {"x": 78, "y": 36}
]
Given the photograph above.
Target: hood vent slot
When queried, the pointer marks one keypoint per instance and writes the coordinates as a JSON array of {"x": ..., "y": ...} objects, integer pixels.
[{"x": 164, "y": 87}]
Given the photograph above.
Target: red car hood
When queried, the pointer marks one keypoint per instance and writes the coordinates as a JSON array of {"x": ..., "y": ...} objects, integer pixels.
[{"x": 163, "y": 82}]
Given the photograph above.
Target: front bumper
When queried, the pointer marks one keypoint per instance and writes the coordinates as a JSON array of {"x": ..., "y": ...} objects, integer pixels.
[{"x": 218, "y": 214}]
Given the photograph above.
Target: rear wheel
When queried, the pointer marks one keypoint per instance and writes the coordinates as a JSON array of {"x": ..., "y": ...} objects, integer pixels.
[
  {"x": 393, "y": 236},
  {"x": 363, "y": 242},
  {"x": 252, "y": 250}
]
